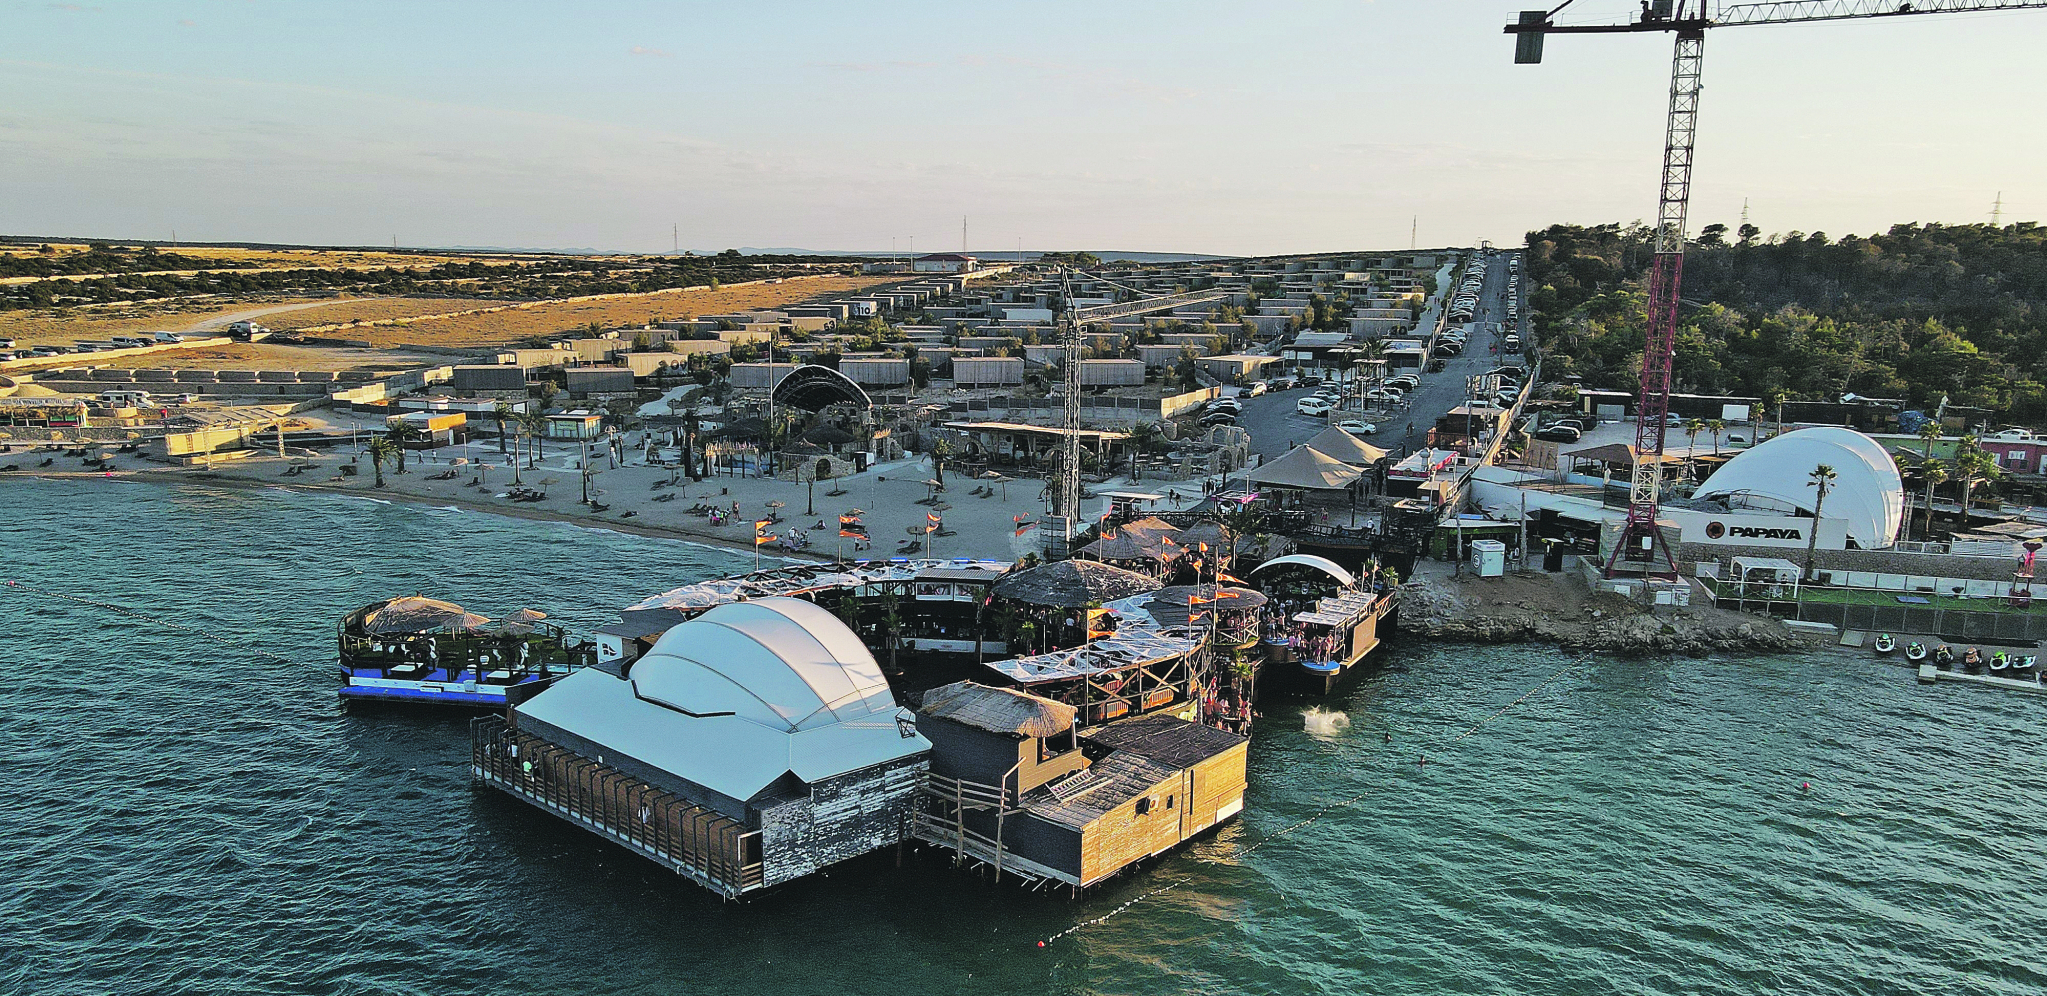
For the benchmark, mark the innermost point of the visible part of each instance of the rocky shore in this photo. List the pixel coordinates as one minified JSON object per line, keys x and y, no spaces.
{"x":1557,"y":608}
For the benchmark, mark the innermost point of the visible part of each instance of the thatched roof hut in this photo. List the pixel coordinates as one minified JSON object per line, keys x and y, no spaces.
{"x":1071,"y":584}
{"x":419,"y":614}
{"x":998,"y":710}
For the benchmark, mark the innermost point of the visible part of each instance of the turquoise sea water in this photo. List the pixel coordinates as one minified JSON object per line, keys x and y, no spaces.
{"x":184,"y":816}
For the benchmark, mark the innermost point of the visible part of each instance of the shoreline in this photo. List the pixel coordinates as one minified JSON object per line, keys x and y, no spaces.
{"x":177,"y":475}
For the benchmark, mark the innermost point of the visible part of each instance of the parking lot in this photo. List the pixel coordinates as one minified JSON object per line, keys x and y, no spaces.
{"x":1276,"y":426}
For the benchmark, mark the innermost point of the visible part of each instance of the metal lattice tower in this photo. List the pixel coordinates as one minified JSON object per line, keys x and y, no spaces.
{"x":1069,"y":472}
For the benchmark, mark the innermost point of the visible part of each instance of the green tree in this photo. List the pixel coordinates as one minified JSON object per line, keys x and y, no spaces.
{"x":535,"y":425}
{"x":1929,"y":434}
{"x":1716,"y":427}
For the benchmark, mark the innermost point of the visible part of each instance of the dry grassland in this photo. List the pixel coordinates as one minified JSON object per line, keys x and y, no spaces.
{"x":497,"y":328}
{"x":97,"y":323}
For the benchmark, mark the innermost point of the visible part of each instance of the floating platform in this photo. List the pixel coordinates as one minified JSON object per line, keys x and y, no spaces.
{"x":1929,"y":674}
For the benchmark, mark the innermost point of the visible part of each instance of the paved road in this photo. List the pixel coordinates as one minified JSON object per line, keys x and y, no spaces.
{"x":1275,"y":426}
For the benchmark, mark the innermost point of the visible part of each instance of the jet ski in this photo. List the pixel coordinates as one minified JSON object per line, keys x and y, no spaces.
{"x":1972,"y":658}
{"x":1885,"y":643}
{"x":1915,"y":651}
{"x":2000,"y":664}
{"x":1944,"y":655}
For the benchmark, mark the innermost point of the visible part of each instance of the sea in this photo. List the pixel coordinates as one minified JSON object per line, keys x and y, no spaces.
{"x":187,"y":809}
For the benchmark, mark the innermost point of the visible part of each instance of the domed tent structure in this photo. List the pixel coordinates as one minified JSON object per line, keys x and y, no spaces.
{"x":766,"y":728}
{"x":1776,"y":476}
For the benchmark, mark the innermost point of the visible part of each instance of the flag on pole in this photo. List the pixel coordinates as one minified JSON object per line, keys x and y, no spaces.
{"x":1220,"y":576}
{"x":760,"y":531}
{"x":850,"y":525}
{"x":932,"y":522}
{"x":1025,"y":525}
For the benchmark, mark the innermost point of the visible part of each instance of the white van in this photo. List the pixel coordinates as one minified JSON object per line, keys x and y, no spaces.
{"x":167,"y":337}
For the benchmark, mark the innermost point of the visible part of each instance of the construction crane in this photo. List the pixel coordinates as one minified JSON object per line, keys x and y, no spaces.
{"x":1642,"y":549}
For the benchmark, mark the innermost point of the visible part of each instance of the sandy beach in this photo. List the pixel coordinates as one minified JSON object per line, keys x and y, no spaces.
{"x":890,"y":499}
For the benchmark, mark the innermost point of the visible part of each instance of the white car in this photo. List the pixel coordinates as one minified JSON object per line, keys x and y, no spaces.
{"x":1357,"y":428}
{"x":1384,"y":395}
{"x":1316,"y":407}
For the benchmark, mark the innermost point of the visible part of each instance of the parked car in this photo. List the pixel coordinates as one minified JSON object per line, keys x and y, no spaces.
{"x":1231,"y":405}
{"x":48,"y":349}
{"x":7,"y":343}
{"x":1256,"y":388}
{"x":1218,"y":418}
{"x":1384,"y":396}
{"x":167,"y":336}
{"x":1358,"y":428}
{"x":1317,"y":407}
{"x":1283,"y":384}
{"x":1558,"y":434}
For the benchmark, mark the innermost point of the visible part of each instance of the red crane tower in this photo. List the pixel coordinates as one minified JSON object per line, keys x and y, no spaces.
{"x":1642,"y":548}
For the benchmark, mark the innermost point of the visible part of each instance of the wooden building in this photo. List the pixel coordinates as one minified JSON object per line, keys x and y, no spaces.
{"x":1014,"y":784}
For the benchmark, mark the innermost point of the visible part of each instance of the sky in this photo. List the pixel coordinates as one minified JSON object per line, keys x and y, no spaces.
{"x":1190,"y":126}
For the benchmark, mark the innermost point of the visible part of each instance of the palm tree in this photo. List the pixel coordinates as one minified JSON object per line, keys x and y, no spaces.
{"x":1692,"y":429}
{"x":399,"y":435}
{"x":1822,"y":478}
{"x":535,"y":425}
{"x":1716,"y":427}
{"x":1972,"y":466}
{"x":1929,"y":434}
{"x":381,"y":449}
{"x":499,"y":413}
{"x":1935,"y":472}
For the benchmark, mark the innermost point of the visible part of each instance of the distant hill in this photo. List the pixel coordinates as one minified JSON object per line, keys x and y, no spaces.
{"x":1918,"y":312}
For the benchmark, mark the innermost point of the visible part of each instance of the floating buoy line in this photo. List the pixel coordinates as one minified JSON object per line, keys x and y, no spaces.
{"x":153,"y":620}
{"x":1310,"y":819}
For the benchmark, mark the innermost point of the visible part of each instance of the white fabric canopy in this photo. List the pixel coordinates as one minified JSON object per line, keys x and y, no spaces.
{"x":1346,"y":447}
{"x":1867,"y":492}
{"x":1309,"y":468}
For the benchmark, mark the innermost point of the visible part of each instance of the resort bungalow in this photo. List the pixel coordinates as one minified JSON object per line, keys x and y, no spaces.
{"x":755,"y":744}
{"x":1014,"y":784}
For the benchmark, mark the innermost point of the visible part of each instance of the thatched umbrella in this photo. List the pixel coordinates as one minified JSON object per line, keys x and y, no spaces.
{"x":1070,"y":584}
{"x":1175,"y":606}
{"x":419,"y":614}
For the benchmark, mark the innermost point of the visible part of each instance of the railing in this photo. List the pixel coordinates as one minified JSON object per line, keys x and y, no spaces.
{"x":709,"y":847}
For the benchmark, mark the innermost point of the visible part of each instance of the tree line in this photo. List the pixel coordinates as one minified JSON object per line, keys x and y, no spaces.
{"x":1920,"y":312}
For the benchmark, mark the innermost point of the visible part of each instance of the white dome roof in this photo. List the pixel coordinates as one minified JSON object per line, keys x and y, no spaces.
{"x":782,"y":663}
{"x":1867,"y":492}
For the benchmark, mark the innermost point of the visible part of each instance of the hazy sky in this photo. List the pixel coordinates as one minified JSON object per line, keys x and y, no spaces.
{"x":1182,"y":126}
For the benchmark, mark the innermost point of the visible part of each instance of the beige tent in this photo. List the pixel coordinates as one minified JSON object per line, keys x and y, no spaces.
{"x":1307,"y":468}
{"x":1346,"y":447}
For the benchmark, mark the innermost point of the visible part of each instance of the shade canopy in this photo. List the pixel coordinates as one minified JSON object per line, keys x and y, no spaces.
{"x":1073,"y":583}
{"x":1346,"y":447}
{"x":1777,"y":474}
{"x":1307,"y":468}
{"x":419,"y":614}
{"x":1312,"y":562}
{"x":1176,"y":606}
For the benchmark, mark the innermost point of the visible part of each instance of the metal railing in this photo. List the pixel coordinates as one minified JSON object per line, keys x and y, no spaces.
{"x":706,"y":846}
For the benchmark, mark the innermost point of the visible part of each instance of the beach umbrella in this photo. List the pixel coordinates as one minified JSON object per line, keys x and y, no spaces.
{"x":417,"y":614}
{"x":856,"y":511}
{"x":777,"y":503}
{"x":990,"y":475}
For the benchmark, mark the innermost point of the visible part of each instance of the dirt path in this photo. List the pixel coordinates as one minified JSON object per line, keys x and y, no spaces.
{"x":217,"y":322}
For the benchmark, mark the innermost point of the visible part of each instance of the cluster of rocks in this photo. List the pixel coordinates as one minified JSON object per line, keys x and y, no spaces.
{"x":1550,"y":608}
